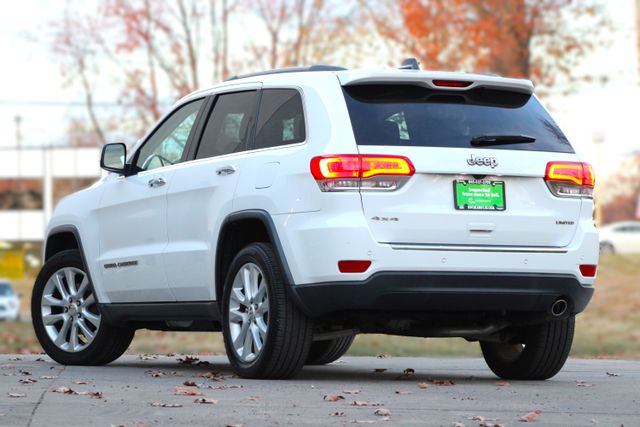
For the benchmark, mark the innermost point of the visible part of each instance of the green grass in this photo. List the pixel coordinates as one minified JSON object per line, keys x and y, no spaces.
{"x":609,"y":328}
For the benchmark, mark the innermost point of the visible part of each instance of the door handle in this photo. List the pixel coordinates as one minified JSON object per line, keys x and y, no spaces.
{"x":157,"y":182}
{"x":225,"y":170}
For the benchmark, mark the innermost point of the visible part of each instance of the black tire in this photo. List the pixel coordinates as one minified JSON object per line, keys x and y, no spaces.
{"x":324,"y":352}
{"x":546,"y":348}
{"x":289,"y":331}
{"x":109,"y":343}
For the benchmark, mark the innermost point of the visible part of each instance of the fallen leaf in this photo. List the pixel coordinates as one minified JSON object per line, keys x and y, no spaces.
{"x":166,"y":405}
{"x":476,"y":418}
{"x":27,"y":381}
{"x":155,"y":374}
{"x":424,"y":385}
{"x":352,"y":391}
{"x":224,"y":386}
{"x":370,"y":421}
{"x":93,"y":394}
{"x":531,"y":416}
{"x":333,"y":397}
{"x":211,"y":375}
{"x":206,"y":401}
{"x":147,"y":356}
{"x":188,"y":360}
{"x":189,"y":383}
{"x":63,"y":390}
{"x":403,"y":392}
{"x":382,"y":412}
{"x":581,"y":383}
{"x":253,"y":398}
{"x":14,"y":359}
{"x":613,"y":374}
{"x":48,"y":377}
{"x":23,"y":372}
{"x":364,"y":403}
{"x":187,"y":391}
{"x":337,"y":414}
{"x":16,"y":395}
{"x":379,"y":370}
{"x":443,"y":382}
{"x":40,"y":359}
{"x":502,"y":383}
{"x":457,"y":425}
{"x":80,"y":382}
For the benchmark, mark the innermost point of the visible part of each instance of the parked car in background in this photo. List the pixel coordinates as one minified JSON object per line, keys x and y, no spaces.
{"x":620,"y":237}
{"x":9,"y":302}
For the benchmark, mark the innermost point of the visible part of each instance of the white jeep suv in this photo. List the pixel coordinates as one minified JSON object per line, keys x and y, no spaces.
{"x":296,"y":208}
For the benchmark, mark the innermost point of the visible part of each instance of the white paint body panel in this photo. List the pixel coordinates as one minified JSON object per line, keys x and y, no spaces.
{"x":172,"y":231}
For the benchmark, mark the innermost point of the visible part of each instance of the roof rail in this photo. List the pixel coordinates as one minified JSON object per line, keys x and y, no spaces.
{"x":289,"y":70}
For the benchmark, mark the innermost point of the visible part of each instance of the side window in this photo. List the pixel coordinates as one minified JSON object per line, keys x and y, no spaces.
{"x":227,"y":129}
{"x":167,"y":144}
{"x":281,"y":118}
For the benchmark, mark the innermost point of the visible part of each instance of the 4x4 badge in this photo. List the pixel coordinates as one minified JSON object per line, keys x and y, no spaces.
{"x":482,"y":161}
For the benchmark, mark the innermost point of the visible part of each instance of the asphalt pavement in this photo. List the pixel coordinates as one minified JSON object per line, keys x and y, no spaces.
{"x":151,"y":390}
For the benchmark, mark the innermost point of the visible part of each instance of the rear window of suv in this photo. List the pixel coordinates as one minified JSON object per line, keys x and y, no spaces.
{"x":411,"y":115}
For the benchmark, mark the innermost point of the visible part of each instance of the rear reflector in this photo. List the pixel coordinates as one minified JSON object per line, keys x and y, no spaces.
{"x":451,"y":83}
{"x":353,"y":266}
{"x":342,"y":172}
{"x":570,"y":179}
{"x":588,"y":270}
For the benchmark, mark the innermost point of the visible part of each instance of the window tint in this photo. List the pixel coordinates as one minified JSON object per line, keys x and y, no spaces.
{"x":228,"y":125}
{"x":409,"y":115}
{"x":167,"y":144}
{"x":281,"y":119}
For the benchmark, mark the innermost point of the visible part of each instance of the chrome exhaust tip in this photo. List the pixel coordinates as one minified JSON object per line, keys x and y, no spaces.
{"x":559,"y":307}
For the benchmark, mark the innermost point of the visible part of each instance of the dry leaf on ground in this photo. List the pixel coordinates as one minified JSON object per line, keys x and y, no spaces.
{"x":364,"y":403}
{"x":613,"y":374}
{"x":337,"y":414}
{"x":351,"y":391}
{"x":333,"y":397}
{"x":382,"y":412}
{"x":424,"y":385}
{"x":188,"y":360}
{"x":16,"y":395}
{"x":166,"y":405}
{"x":503,"y":383}
{"x":403,"y":392}
{"x":206,"y":401}
{"x":187,"y":391}
{"x":531,"y":416}
{"x":27,"y":381}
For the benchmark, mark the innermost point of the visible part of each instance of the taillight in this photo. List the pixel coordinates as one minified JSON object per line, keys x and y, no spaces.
{"x":588,"y":270}
{"x":451,"y":83}
{"x":570,"y":179}
{"x":343,"y":172}
{"x":353,"y":266}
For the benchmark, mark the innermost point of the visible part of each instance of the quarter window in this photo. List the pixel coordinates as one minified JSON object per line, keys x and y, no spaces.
{"x":228,"y":126}
{"x":281,"y":118}
{"x":167,"y":144}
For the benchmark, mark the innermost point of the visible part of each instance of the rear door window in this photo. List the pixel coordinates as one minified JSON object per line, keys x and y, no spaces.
{"x":229,"y":125}
{"x":410,"y":115}
{"x":281,"y":118}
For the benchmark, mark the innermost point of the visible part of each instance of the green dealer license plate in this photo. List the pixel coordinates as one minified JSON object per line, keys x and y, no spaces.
{"x":478,"y":195}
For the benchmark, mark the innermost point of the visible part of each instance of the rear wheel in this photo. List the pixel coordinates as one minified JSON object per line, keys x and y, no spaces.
{"x":265,"y":334}
{"x":323,"y":352}
{"x":539,"y":354}
{"x":66,"y":318}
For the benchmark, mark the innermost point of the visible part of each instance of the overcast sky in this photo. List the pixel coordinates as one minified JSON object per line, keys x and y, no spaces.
{"x":31,"y":86}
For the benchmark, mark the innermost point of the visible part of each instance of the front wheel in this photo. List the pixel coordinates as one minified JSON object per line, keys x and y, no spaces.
{"x":539,"y":354}
{"x":66,"y":318}
{"x":265,"y":335}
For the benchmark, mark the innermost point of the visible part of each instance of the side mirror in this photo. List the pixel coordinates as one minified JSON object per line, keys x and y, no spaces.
{"x":113,"y":157}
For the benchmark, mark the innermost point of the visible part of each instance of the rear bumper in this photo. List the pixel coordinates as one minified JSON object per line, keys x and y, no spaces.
{"x":441,"y":291}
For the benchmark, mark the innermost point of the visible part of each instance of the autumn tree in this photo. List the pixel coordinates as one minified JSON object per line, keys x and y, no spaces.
{"x":300,"y":31}
{"x":542,"y":40}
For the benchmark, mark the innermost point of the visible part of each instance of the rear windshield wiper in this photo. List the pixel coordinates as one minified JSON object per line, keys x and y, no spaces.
{"x":501,"y":139}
